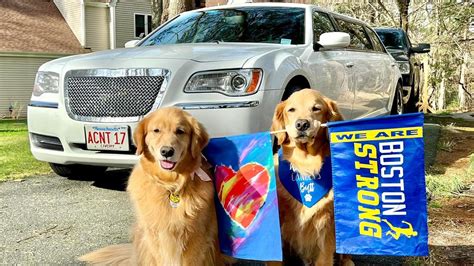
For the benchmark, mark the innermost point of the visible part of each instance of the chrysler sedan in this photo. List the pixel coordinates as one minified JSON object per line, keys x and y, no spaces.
{"x":228,"y":66}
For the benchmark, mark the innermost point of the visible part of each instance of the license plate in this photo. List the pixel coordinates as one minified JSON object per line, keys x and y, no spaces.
{"x":110,"y":138}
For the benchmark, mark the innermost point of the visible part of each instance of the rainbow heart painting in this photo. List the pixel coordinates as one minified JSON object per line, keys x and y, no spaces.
{"x":246,"y":198}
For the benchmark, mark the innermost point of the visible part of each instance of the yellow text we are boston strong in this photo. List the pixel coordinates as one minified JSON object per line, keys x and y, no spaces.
{"x":379,"y":166}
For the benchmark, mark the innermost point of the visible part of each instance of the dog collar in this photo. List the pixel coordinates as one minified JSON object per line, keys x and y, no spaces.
{"x":202,"y":175}
{"x":308,"y":190}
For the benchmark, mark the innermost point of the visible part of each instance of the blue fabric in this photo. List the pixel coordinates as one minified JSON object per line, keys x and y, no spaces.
{"x":308,"y":190}
{"x":246,"y":198}
{"x":379,"y":186}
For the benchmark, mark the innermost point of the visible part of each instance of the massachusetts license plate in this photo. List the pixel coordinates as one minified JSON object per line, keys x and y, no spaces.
{"x":110,"y":138}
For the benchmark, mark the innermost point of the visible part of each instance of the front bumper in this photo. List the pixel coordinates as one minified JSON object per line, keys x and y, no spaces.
{"x":220,"y":119}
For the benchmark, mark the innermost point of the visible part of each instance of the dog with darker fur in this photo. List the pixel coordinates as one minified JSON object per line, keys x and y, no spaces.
{"x":171,"y":195}
{"x":307,"y":230}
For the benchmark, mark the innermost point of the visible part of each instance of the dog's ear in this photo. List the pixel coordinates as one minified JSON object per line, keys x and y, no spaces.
{"x":279,"y":123}
{"x":140,"y":134}
{"x":199,"y":138}
{"x":333,"y":112}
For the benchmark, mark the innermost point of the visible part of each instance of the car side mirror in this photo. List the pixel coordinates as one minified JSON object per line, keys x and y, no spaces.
{"x":332,"y":40}
{"x":421,"y":48}
{"x":131,"y":43}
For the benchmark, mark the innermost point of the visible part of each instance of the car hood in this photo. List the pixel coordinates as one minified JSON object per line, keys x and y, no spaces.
{"x":399,"y":54}
{"x":205,"y":52}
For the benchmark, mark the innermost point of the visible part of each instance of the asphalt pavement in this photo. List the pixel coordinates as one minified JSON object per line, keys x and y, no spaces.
{"x":53,"y":220}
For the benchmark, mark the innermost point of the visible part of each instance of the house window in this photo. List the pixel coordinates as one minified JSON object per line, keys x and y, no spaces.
{"x":142,"y":25}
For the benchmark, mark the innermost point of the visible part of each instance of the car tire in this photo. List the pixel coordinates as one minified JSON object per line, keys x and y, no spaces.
{"x":397,"y":105}
{"x":77,"y":171}
{"x":412,"y":101}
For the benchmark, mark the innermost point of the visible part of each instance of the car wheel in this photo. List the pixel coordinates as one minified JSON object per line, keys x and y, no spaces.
{"x":397,"y":106}
{"x":77,"y":171}
{"x":412,"y":101}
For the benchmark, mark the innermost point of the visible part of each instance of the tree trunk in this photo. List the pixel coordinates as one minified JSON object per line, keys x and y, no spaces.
{"x":164,"y":15}
{"x":178,"y":6}
{"x":403,"y":9}
{"x":424,"y":95}
{"x":442,"y":92}
{"x":462,"y":80}
{"x":156,"y":13}
{"x":462,"y":83}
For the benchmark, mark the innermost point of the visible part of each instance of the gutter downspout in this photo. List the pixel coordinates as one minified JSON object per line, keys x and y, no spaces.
{"x":83,"y":23}
{"x":112,"y":27}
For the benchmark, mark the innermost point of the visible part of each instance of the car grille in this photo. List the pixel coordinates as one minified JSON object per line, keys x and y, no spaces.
{"x":108,"y":95}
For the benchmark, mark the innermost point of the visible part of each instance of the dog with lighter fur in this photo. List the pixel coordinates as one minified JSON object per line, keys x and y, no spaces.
{"x":174,"y":209}
{"x":309,"y":231}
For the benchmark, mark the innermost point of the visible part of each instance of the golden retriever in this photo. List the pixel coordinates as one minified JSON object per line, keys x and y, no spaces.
{"x":309,"y":231}
{"x":174,"y":209}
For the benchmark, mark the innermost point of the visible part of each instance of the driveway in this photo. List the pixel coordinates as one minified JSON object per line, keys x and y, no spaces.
{"x":53,"y":220}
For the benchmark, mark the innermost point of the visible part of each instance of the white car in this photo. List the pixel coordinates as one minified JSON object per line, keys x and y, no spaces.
{"x":228,"y":66}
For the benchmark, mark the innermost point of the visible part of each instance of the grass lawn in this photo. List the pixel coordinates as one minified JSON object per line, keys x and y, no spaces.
{"x":16,"y":160}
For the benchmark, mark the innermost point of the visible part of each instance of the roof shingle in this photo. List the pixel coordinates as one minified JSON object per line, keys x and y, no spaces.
{"x":35,"y":26}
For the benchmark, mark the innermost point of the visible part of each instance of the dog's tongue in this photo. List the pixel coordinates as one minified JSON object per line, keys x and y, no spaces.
{"x":167,"y":164}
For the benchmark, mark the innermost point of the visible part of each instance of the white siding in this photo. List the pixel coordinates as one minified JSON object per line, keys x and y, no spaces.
{"x":17,"y":75}
{"x":72,"y":12}
{"x":125,"y":19}
{"x":97,"y":28}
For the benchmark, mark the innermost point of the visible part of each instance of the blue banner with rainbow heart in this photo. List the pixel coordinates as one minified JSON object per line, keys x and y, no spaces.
{"x":246,"y":196}
{"x":379,"y":186}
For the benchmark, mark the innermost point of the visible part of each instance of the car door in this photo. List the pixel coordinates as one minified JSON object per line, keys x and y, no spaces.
{"x":370,"y":75}
{"x":327,"y":69}
{"x":387,"y":66}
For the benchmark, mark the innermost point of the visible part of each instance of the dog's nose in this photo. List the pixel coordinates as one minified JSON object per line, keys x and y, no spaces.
{"x":166,"y":151}
{"x":302,"y":124}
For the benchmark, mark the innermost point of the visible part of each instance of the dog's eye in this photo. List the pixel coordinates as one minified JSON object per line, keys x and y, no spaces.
{"x":316,"y":109}
{"x":156,"y":130}
{"x":179,"y":131}
{"x":291,"y":110}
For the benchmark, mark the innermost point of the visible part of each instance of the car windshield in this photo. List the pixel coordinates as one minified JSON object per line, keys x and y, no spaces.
{"x":248,"y":24}
{"x":392,"y":39}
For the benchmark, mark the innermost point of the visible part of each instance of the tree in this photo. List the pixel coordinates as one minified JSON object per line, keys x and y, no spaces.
{"x":162,"y":10}
{"x":403,"y":11}
{"x":178,"y":6}
{"x":156,"y":12}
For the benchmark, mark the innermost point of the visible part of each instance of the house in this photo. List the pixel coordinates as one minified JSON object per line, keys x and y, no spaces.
{"x":33,"y":32}
{"x":106,"y":24}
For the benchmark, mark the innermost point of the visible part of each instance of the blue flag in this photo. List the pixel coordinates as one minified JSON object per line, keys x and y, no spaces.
{"x":246,"y":200}
{"x":379,"y":186}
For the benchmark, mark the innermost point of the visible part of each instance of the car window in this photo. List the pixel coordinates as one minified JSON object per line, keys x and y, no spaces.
{"x":359,"y":38}
{"x":246,"y":24}
{"x":378,"y":46}
{"x":321,"y":24}
{"x":392,"y":39}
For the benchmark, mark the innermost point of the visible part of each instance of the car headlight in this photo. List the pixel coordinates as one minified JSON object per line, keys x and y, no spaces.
{"x":404,"y":67}
{"x":234,"y":82}
{"x":46,"y":82}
